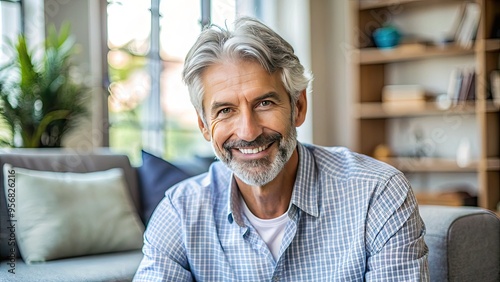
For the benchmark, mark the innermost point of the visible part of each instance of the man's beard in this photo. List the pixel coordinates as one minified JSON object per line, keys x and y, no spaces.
{"x":261,"y":171}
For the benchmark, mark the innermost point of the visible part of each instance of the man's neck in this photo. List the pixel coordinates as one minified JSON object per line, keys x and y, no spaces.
{"x":271,"y":200}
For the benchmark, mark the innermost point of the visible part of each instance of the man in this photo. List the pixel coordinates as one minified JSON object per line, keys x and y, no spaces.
{"x":273,"y":208}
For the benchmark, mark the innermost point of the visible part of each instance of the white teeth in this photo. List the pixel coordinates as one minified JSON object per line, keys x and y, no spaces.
{"x":253,"y":151}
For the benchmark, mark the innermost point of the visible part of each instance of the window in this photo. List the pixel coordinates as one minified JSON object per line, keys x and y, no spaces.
{"x":10,"y":27}
{"x":149,"y":106}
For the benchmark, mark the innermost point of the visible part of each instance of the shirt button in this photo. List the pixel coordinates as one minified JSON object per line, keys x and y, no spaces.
{"x":276,"y":278}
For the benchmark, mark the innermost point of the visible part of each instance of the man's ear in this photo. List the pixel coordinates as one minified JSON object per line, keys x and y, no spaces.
{"x":203,"y":129}
{"x":301,"y":108}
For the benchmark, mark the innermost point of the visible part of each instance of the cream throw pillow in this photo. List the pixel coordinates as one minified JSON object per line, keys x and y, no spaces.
{"x":65,"y":214}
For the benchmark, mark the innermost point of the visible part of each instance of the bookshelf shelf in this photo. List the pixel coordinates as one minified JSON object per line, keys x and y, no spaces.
{"x":380,"y":124}
{"x":410,"y":52}
{"x":429,"y":165}
{"x":383,"y":110}
{"x":447,"y":199}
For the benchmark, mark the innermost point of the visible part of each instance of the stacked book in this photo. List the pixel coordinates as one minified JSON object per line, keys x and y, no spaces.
{"x":404,"y":96}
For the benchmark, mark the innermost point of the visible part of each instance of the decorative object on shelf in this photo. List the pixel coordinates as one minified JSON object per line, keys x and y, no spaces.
{"x":421,"y":148}
{"x":463,"y":153}
{"x":386,"y":37}
{"x":443,"y":102}
{"x":381,"y":152}
{"x":41,"y":98}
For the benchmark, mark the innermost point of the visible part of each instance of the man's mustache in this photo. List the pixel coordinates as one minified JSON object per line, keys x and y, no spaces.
{"x":261,"y":140}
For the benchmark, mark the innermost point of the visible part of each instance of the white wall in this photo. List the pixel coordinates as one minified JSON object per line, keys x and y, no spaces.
{"x":84,"y":17}
{"x":291,"y":19}
{"x":331,"y":101}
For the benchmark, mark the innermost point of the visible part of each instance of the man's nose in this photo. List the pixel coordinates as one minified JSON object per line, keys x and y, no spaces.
{"x":248,"y":126}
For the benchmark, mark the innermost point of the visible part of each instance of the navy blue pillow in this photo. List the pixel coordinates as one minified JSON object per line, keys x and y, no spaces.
{"x":156,"y":175}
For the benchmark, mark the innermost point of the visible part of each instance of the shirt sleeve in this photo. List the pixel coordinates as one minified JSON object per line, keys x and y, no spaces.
{"x":396,"y":250}
{"x":164,"y":253}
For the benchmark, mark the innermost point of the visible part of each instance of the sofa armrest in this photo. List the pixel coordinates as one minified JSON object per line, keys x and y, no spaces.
{"x":464,"y":243}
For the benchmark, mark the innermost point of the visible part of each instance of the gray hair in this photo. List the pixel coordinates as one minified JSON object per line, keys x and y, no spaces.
{"x":250,"y":40}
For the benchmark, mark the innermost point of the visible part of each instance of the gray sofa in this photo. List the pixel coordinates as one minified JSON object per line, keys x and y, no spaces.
{"x":464,"y":242}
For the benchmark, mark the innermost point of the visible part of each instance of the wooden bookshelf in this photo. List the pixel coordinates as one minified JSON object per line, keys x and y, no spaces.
{"x":373,"y":68}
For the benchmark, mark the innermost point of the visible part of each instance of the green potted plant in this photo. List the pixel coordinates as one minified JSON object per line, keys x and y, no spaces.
{"x":40,"y":100}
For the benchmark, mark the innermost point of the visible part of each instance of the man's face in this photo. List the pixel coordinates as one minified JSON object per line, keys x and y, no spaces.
{"x":250,"y":122}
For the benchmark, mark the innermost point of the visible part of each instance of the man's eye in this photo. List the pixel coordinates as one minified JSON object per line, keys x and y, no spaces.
{"x":224,"y":111}
{"x":265,"y":103}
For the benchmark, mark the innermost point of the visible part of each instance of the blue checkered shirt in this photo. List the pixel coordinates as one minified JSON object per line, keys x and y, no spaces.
{"x":352,"y":218}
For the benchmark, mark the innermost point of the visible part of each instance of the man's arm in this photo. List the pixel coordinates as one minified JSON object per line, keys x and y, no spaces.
{"x":164,"y":253}
{"x":395,"y":235}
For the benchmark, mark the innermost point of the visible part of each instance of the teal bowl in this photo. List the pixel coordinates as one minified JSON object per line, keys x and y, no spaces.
{"x":386,"y":37}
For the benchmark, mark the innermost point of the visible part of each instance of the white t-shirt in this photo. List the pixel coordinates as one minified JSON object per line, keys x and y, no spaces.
{"x":270,"y":230}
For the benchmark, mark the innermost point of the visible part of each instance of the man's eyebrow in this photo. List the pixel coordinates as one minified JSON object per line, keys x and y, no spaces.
{"x":269,"y":95}
{"x":217,"y":105}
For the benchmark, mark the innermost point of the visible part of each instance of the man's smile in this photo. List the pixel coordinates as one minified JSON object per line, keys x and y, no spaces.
{"x":247,"y":151}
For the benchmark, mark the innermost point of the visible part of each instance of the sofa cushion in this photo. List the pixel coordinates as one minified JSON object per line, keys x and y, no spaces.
{"x":64,"y":160}
{"x":156,"y":175}
{"x":65,"y":214}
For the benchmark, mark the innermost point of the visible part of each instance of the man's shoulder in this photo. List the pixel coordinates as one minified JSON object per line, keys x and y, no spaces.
{"x":342,"y":162}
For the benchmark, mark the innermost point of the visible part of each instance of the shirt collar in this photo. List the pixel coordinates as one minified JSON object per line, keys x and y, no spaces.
{"x":305,"y":190}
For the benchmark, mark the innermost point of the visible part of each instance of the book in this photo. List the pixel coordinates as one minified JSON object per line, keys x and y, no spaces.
{"x":454,"y":84}
{"x":462,"y":85}
{"x":471,"y":94}
{"x":467,"y":88}
{"x":467,"y":29}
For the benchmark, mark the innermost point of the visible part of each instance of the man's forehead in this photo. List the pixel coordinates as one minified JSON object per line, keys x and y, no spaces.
{"x":238,"y":76}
